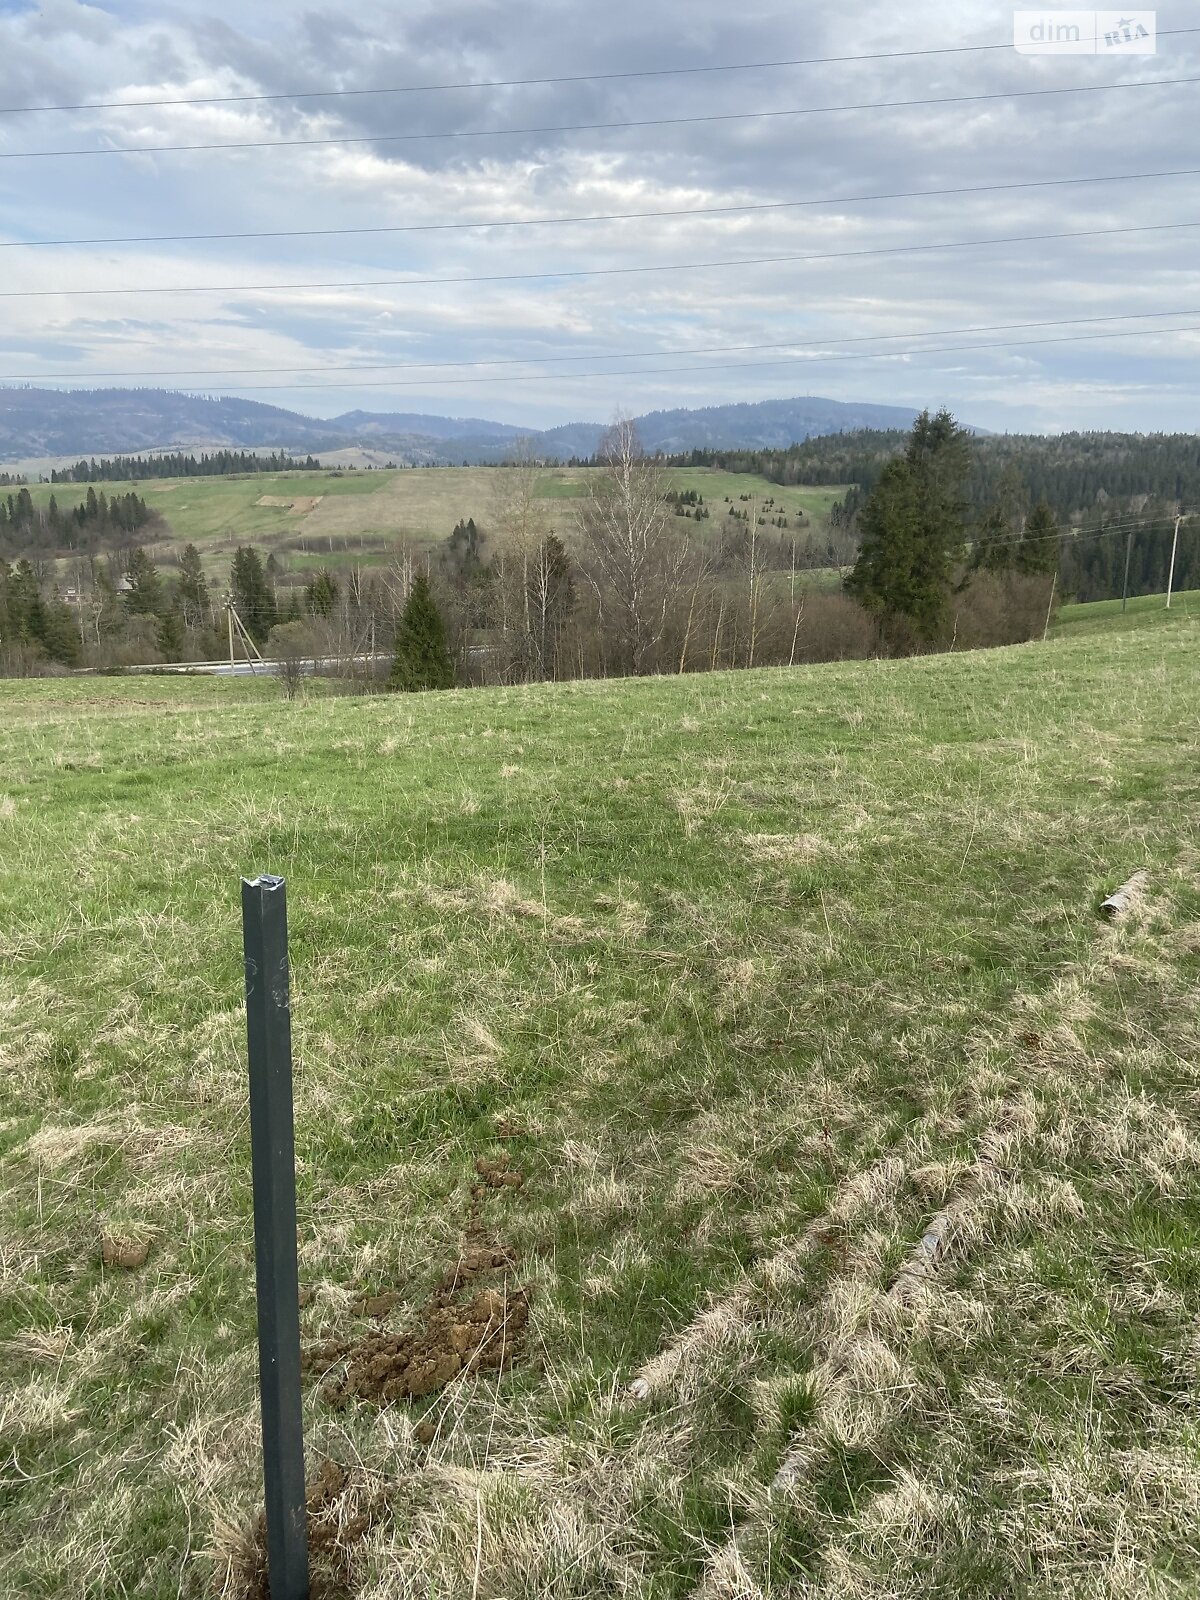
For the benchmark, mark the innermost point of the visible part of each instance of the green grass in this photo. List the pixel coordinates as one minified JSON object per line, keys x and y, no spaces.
{"x":754,"y":975}
{"x":1142,"y":611}
{"x":363,"y":517}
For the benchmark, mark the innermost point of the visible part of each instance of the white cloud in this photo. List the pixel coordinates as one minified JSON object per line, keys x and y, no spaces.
{"x":73,"y":52}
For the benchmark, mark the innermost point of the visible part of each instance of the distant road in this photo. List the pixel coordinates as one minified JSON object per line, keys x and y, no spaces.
{"x":243,"y":669}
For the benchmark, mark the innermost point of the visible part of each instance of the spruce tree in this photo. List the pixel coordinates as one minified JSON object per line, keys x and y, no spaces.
{"x":322,"y":593}
{"x":171,"y":635}
{"x":60,"y":634}
{"x":1038,"y":549}
{"x":193,"y":591}
{"x":144,"y":597}
{"x":26,"y":610}
{"x":913,"y":530}
{"x":422,"y":659}
{"x":252,"y":594}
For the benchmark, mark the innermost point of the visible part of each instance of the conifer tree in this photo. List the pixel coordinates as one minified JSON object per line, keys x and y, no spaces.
{"x":170,"y":634}
{"x":1038,"y":549}
{"x":322,"y":593}
{"x":913,"y":528}
{"x":60,"y":634}
{"x":422,"y":659}
{"x":145,"y":594}
{"x":193,"y":590}
{"x":252,"y":593}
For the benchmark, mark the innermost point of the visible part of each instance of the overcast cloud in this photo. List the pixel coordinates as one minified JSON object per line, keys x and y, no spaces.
{"x":68,"y":52}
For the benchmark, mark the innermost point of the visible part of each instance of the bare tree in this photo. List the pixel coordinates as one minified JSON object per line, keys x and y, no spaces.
{"x":550,"y":599}
{"x":636,"y":559}
{"x":519,"y":529}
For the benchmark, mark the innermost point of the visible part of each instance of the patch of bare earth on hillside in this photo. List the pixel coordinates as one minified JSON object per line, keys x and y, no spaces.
{"x":454,"y":1336}
{"x":467,"y":1326}
{"x":299,"y":505}
{"x":342,"y":1510}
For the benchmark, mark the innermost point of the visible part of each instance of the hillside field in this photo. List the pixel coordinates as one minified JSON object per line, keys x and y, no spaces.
{"x":312,"y":519}
{"x":754,"y":1037}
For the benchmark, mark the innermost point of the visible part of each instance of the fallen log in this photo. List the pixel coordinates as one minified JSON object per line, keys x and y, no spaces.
{"x":1123,"y":899}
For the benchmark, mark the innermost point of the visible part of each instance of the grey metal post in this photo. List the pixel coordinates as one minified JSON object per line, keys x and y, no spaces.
{"x":268,"y":1027}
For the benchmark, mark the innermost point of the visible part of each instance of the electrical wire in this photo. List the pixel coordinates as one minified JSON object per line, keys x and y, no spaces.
{"x":724,"y":367}
{"x":601,"y":272}
{"x":616,"y":355}
{"x":605,"y":216}
{"x":595,"y":127}
{"x":527,"y":83}
{"x":1075,"y":535}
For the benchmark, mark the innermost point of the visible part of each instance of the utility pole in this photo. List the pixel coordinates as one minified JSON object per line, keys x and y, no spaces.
{"x":1171,"y":572}
{"x":1125,"y":585}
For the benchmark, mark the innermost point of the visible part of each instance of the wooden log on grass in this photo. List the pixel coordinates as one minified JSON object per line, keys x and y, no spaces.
{"x":1123,"y":899}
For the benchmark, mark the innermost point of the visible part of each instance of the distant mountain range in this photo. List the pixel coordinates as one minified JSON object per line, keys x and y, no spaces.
{"x":37,"y":424}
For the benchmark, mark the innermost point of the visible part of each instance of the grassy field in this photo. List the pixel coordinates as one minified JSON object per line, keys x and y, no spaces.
{"x":1143,"y":611}
{"x":310,"y":519}
{"x":856,"y":1244}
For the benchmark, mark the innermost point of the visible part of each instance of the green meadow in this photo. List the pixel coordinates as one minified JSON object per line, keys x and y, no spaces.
{"x":311,"y":519}
{"x":835,"y":1165}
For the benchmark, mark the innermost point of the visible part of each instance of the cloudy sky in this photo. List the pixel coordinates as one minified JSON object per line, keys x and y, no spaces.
{"x":862,"y":326}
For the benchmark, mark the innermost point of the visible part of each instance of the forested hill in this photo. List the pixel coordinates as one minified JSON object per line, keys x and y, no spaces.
{"x":1077,"y":474}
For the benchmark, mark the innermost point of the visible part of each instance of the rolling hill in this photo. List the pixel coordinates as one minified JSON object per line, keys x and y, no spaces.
{"x":49,"y":424}
{"x":747,"y":1047}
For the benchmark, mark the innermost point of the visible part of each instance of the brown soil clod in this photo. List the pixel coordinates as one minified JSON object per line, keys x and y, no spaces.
{"x":452,"y":1337}
{"x":510,"y":1128}
{"x":499,"y":1173}
{"x":425,"y":1432}
{"x":484,"y":1335}
{"x":116,"y":1251}
{"x":377,"y":1305}
{"x":338,"y":1517}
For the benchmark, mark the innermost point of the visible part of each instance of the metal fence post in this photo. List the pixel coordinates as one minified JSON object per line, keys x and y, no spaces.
{"x":268,"y":1028}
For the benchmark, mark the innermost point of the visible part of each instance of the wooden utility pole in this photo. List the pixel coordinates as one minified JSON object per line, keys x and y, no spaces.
{"x":1125,"y":584}
{"x":1171,"y":571}
{"x":1050,"y":607}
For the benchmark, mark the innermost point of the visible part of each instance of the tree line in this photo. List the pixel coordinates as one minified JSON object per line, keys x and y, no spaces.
{"x":96,"y":521}
{"x":1071,"y":472}
{"x":177,"y":464}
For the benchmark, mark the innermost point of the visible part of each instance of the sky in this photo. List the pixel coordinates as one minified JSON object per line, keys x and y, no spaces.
{"x":879,"y":326}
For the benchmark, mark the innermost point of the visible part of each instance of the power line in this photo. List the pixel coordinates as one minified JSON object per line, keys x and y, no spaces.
{"x":609,"y":216}
{"x":725,"y":367}
{"x":1121,"y":525}
{"x":599,"y":272}
{"x":526,"y":83}
{"x":596,"y":127}
{"x":616,"y":355}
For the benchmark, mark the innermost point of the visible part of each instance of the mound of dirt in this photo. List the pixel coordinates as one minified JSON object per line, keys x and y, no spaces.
{"x":338,"y":1518}
{"x":499,"y":1172}
{"x":129,"y":1254}
{"x":452,"y":1336}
